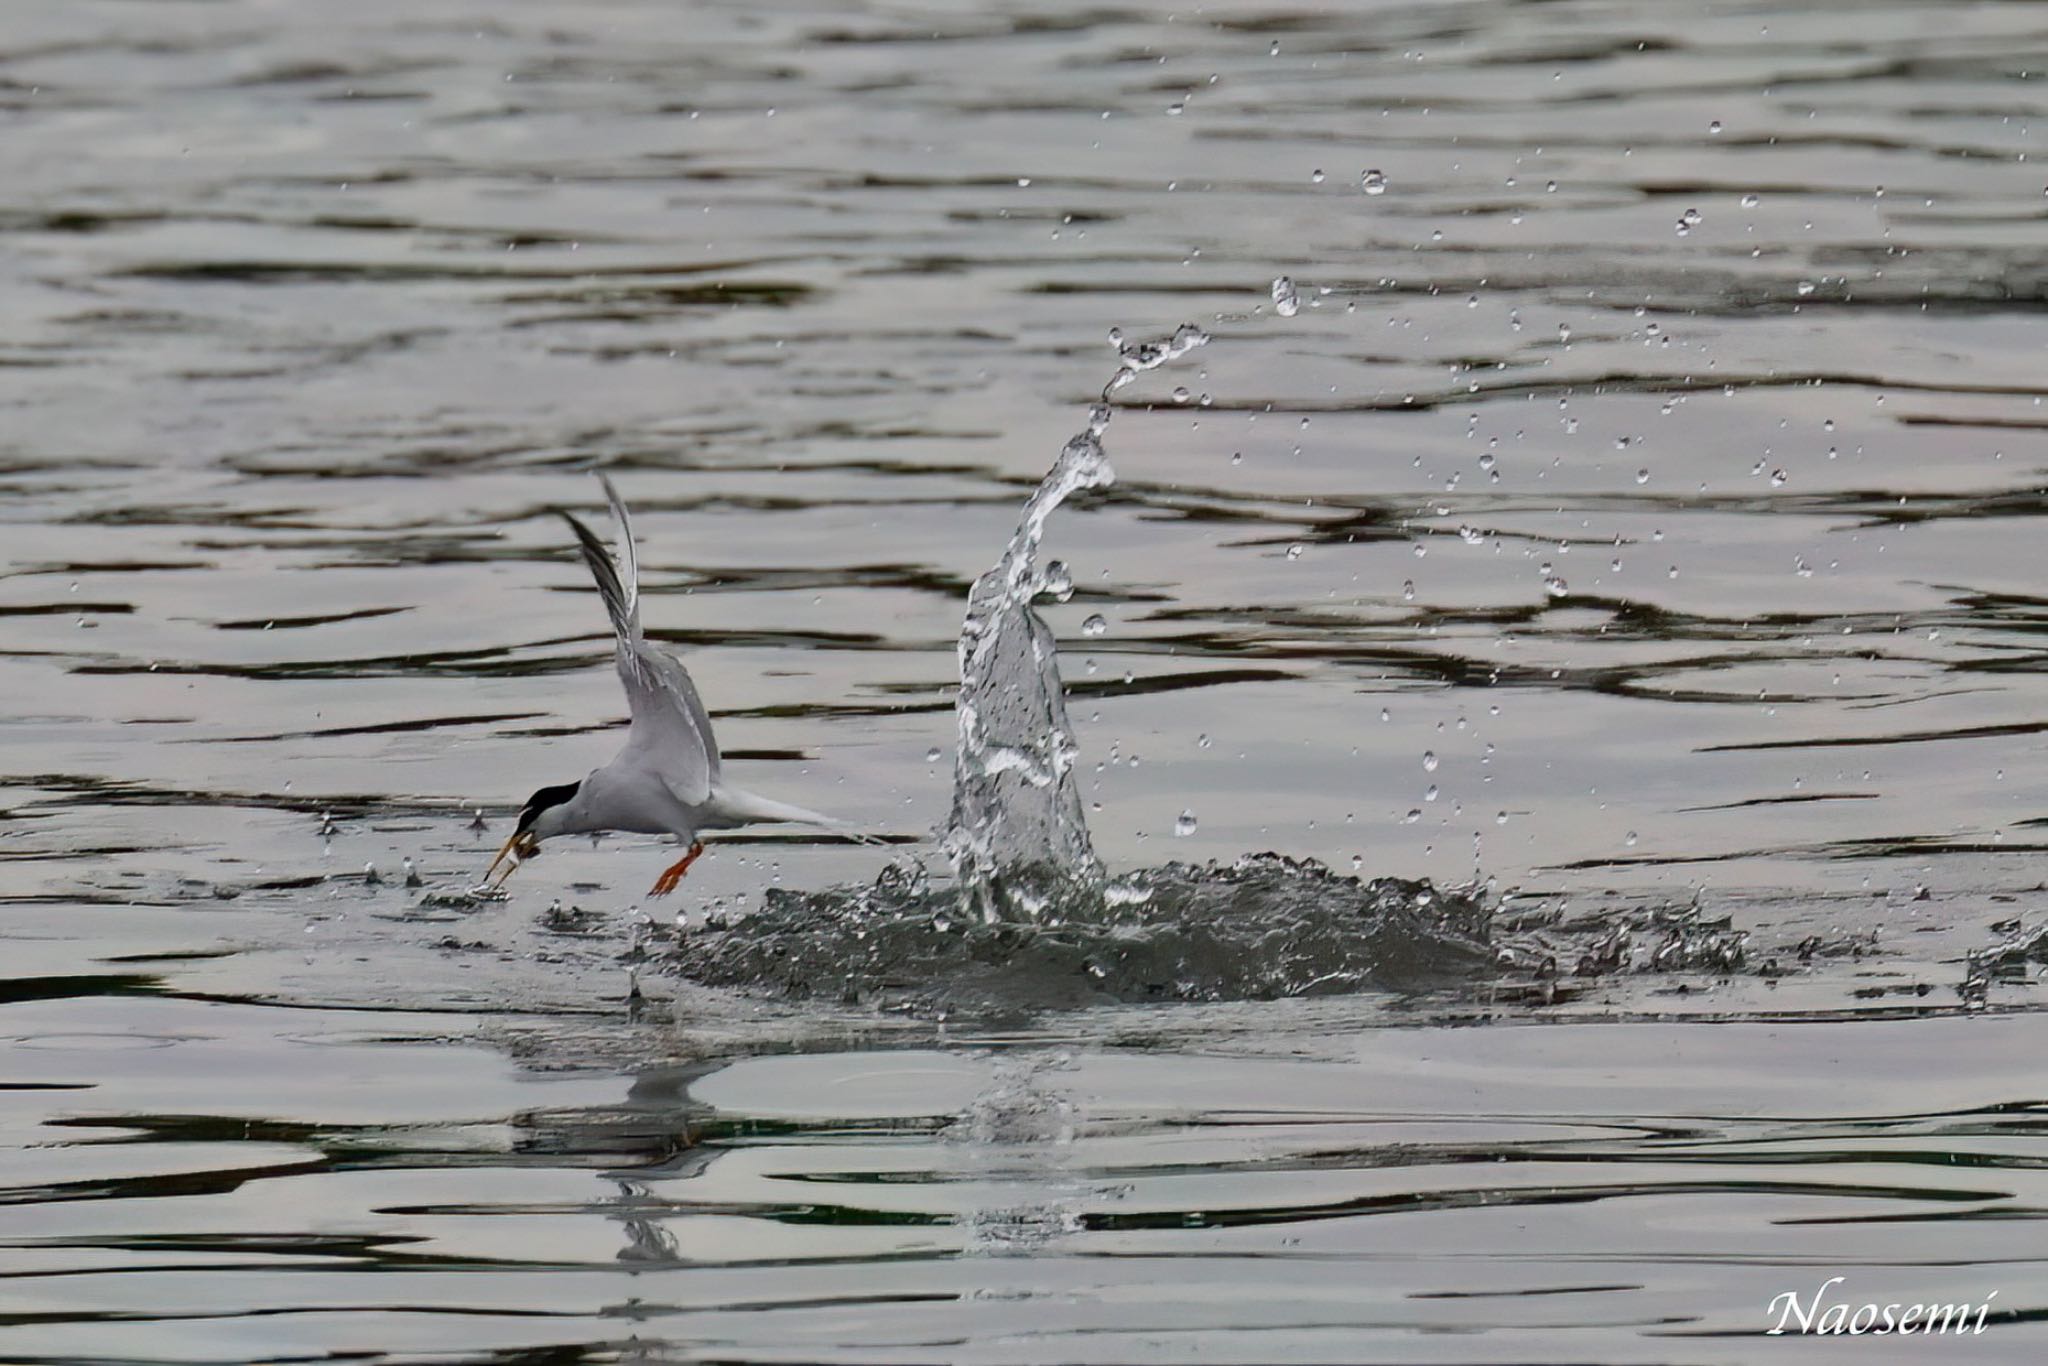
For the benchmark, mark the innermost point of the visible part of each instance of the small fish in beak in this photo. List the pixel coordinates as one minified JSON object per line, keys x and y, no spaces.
{"x":525,"y":841}
{"x":521,"y":847}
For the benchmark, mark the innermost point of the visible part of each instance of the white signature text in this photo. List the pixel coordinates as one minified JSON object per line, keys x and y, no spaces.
{"x":1794,"y":1315}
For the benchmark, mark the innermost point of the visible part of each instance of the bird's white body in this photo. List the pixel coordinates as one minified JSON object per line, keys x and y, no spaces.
{"x":667,"y":779}
{"x":628,"y":796}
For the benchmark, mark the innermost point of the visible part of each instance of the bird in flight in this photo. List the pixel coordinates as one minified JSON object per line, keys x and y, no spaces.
{"x":667,"y":778}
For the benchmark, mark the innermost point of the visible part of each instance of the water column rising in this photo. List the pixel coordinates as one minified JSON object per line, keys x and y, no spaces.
{"x":1018,"y":834}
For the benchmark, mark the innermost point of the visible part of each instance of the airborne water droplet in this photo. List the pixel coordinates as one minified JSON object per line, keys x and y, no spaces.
{"x":1095,"y":625}
{"x":1057,"y":582}
{"x":1373,"y":182}
{"x":1185,"y":826}
{"x":1285,"y":301}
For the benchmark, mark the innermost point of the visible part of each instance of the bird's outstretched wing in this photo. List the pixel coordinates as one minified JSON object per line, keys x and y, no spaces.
{"x":671,"y":732}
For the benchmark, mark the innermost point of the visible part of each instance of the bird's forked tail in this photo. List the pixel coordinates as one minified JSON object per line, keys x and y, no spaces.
{"x":744,"y":808}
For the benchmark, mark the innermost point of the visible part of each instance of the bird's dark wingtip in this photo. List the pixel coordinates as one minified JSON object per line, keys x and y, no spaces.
{"x":585,"y":537}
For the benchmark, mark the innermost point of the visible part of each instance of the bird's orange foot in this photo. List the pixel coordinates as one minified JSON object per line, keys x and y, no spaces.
{"x":673,"y":874}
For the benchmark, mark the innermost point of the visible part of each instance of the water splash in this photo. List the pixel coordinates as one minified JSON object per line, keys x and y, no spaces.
{"x":1017,"y":836}
{"x":1138,"y":357}
{"x":1262,"y":928}
{"x":1030,"y":921}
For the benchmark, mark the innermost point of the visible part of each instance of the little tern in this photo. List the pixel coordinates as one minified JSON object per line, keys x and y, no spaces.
{"x":667,"y":779}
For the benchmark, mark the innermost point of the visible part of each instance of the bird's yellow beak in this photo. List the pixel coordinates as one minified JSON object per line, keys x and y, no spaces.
{"x":520,"y":847}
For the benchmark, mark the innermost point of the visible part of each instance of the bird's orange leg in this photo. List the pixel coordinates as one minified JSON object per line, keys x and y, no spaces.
{"x":673,"y":874}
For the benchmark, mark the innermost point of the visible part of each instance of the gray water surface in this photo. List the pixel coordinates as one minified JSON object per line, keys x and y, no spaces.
{"x":1629,"y":578}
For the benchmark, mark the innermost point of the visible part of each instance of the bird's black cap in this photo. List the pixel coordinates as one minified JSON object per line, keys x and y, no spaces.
{"x":543,"y":799}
